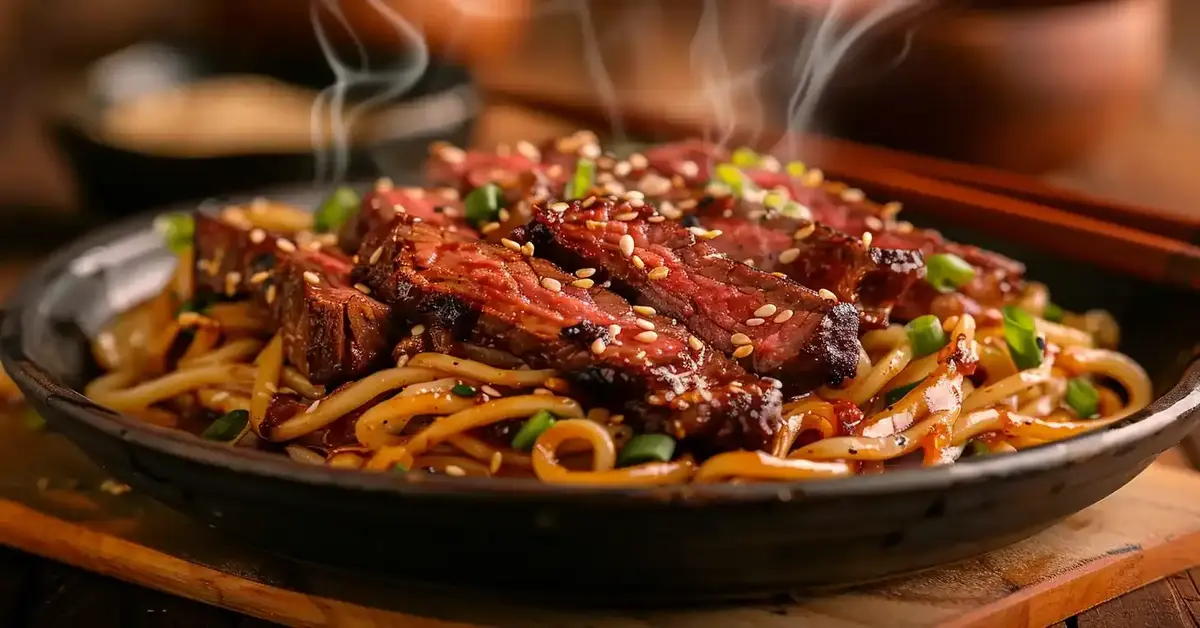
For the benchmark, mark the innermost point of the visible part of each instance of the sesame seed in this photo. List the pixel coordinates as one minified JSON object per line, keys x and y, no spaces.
{"x":622,"y":169}
{"x":695,"y":343}
{"x":636,"y":203}
{"x":488,"y":390}
{"x":497,"y":460}
{"x":583,"y":283}
{"x":739,"y":339}
{"x":890,"y":210}
{"x":402,"y":360}
{"x":584,"y":273}
{"x":827,"y":295}
{"x":670,"y":212}
{"x":754,"y":322}
{"x":698,"y":231}
{"x":904,"y":227}
{"x":743,"y":351}
{"x":313,"y":408}
{"x":687,"y":203}
{"x":451,"y":154}
{"x":257,"y":236}
{"x":529,"y":151}
{"x":646,"y":337}
{"x":656,"y":218}
{"x":543,"y":391}
{"x":638,"y":160}
{"x":874,"y":224}
{"x":641,"y":355}
{"x":503,"y":215}
{"x":769,"y":163}
{"x":362,"y":288}
{"x":784,"y":316}
{"x":660,"y":272}
{"x":527,"y":249}
{"x":626,"y":245}
{"x":589,"y":201}
{"x":626,"y":216}
{"x":866,"y":239}
{"x":232,"y":280}
{"x":312,"y":277}
{"x":490,"y":227}
{"x":749,"y":261}
{"x":596,"y":224}
{"x":260,"y":277}
{"x":285,"y":245}
{"x":376,"y":255}
{"x":559,"y":206}
{"x":637,"y":262}
{"x":616,"y":419}
{"x":614,"y":330}
{"x":804,"y":232}
{"x":644,"y":310}
{"x":455,"y":470}
{"x":766,"y":310}
{"x":779,"y":274}
{"x":689,"y":169}
{"x":551,"y":284}
{"x":271,"y":294}
{"x":598,"y":346}
{"x":510,"y":244}
{"x":712,"y":234}
{"x":655,"y":400}
{"x":789,"y":256}
{"x":645,"y":324}
{"x":591,"y":151}
{"x":417,"y":330}
{"x":853,"y":195}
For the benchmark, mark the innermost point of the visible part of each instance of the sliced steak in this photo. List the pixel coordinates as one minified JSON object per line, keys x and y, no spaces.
{"x":776,"y":326}
{"x":440,"y":206}
{"x":331,"y":331}
{"x":494,"y":297}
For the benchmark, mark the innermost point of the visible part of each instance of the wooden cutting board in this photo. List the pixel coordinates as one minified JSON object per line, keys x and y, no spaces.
{"x":55,"y":503}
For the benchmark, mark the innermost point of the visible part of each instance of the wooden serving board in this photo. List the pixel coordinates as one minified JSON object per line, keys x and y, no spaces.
{"x":55,"y":503}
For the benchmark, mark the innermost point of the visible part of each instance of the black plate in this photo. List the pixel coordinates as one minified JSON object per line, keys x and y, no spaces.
{"x":686,"y":542}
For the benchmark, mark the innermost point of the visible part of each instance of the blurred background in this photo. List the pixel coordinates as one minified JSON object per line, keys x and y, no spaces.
{"x":112,"y":107}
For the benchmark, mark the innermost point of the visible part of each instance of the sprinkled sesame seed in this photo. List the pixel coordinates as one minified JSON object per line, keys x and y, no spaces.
{"x":646,"y":337}
{"x":645,"y":324}
{"x":904,"y":227}
{"x":616,"y":419}
{"x":559,"y":206}
{"x":488,"y":390}
{"x":312,"y":277}
{"x":853,"y":195}
{"x":656,"y":218}
{"x":636,"y":203}
{"x":804,"y":232}
{"x":766,"y":310}
{"x":598,"y":346}
{"x":529,"y":151}
{"x":527,"y":249}
{"x":285,"y":245}
{"x":509,"y":244}
{"x":455,"y":470}
{"x":583,"y":283}
{"x":890,"y":210}
{"x":739,"y":339}
{"x":657,"y":273}
{"x":698,"y":231}
{"x":866,"y":239}
{"x":376,"y":255}
{"x":637,"y":262}
{"x":503,"y":215}
{"x":589,"y":201}
{"x":638,"y":160}
{"x":743,"y":351}
{"x":712,"y":234}
{"x":622,"y":169}
{"x":596,"y":224}
{"x":402,"y":360}
{"x":551,"y":284}
{"x":789,"y":256}
{"x":754,"y":322}
{"x":271,"y":294}
{"x":687,"y":203}
{"x":784,"y":316}
{"x":874,"y":224}
{"x":655,"y":400}
{"x":614,"y":330}
{"x":689,"y":169}
{"x":490,"y":227}
{"x":749,"y":261}
{"x":626,"y":245}
{"x":260,"y":277}
{"x":417,"y":330}
{"x":257,"y":236}
{"x":626,"y":216}
{"x":496,"y":461}
{"x":451,"y":154}
{"x":584,"y":273}
{"x":362,"y":288}
{"x":670,"y":212}
{"x":695,"y":343}
{"x":827,"y":295}
{"x":644,"y":310}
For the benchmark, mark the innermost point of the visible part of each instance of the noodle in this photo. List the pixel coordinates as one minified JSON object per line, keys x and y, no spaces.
{"x":266,"y":381}
{"x":480,"y":371}
{"x":347,"y":400}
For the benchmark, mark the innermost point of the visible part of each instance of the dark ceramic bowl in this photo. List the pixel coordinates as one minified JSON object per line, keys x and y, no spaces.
{"x":689,"y":542}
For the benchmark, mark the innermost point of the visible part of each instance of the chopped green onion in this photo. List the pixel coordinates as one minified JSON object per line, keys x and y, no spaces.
{"x":792,"y":209}
{"x":533,"y":427}
{"x":1053,"y":313}
{"x":463,"y":390}
{"x":745,"y":158}
{"x":898,"y":393}
{"x":947,"y":271}
{"x":177,"y":230}
{"x":926,"y":335}
{"x":227,"y":427}
{"x":399,"y":469}
{"x":646,"y":448}
{"x":193,"y":305}
{"x":336,"y":210}
{"x":1083,"y":398}
{"x":774,"y":200}
{"x":583,"y":181}
{"x":1020,"y":332}
{"x":731,"y":176}
{"x":979,"y":448}
{"x":483,"y":204}
{"x":33,"y":421}
{"x":796,"y":168}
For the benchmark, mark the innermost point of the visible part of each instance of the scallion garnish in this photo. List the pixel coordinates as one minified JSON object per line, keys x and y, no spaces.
{"x":926,"y":335}
{"x":745,"y":158}
{"x":193,"y":305}
{"x":177,"y":230}
{"x":336,"y":210}
{"x":532,"y":429}
{"x":399,"y":469}
{"x":483,"y":204}
{"x":227,"y":427}
{"x":796,"y":168}
{"x":898,"y":393}
{"x":979,"y":448}
{"x":646,"y":448}
{"x":1020,"y":332}
{"x":583,"y":181}
{"x":947,"y":271}
{"x":731,"y":176}
{"x":1053,"y":313}
{"x":463,"y":390}
{"x":1083,"y":398}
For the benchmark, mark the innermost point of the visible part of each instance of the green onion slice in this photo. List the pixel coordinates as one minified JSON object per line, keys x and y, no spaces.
{"x":338,"y":208}
{"x":926,"y":335}
{"x":463,"y":390}
{"x":979,"y":448}
{"x":646,"y":448}
{"x":796,"y":168}
{"x":745,"y":158}
{"x":731,"y":176}
{"x":227,"y":427}
{"x":583,"y":181}
{"x":948,"y":272}
{"x":1053,"y":313}
{"x":1083,"y":398}
{"x":399,"y":469}
{"x":532,"y":429}
{"x":898,"y":393}
{"x":483,"y":204}
{"x":1020,"y":332}
{"x":177,"y":230}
